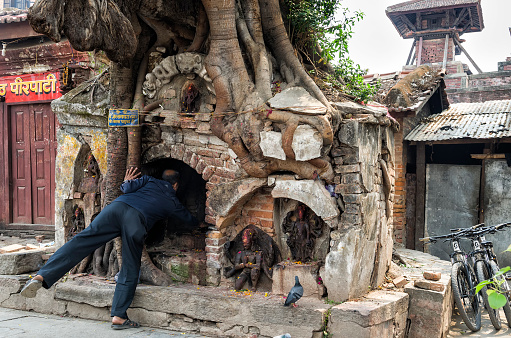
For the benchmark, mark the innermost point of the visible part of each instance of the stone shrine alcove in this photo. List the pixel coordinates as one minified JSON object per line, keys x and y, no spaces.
{"x":86,"y":199}
{"x":175,"y":248}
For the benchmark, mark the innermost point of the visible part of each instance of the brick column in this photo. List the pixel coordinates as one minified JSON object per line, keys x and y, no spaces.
{"x":214,"y":256}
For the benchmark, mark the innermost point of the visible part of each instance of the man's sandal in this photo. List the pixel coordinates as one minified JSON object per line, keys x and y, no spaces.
{"x":128,"y":324}
{"x":30,"y":289}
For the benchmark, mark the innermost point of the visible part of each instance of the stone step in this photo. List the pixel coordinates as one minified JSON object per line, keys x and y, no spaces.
{"x":217,"y":311}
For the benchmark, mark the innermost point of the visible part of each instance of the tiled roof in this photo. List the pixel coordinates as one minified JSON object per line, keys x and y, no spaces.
{"x":386,"y":81}
{"x":409,"y":91}
{"x":484,"y":120}
{"x":13,"y":15}
{"x":417,"y":5}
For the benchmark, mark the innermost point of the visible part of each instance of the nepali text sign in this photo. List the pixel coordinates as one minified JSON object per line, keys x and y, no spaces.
{"x":30,"y":87}
{"x":123,"y":118}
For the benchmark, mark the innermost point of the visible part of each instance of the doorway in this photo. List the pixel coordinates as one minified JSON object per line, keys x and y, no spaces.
{"x":32,"y":152}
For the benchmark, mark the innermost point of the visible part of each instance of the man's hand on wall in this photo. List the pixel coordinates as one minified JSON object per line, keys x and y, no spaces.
{"x":131,"y":174}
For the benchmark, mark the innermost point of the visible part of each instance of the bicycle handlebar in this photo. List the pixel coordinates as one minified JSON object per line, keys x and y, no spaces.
{"x":467,"y":232}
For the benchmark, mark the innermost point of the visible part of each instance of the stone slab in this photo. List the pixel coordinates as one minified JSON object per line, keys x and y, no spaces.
{"x":284,"y":279}
{"x":271,"y":144}
{"x":21,"y":262}
{"x":312,"y":193}
{"x":223,"y":308}
{"x":298,"y":100}
{"x":379,"y":314}
{"x":307,"y":143}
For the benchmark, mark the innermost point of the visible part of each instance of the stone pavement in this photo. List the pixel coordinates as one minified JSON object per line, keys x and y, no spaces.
{"x":17,"y":324}
{"x":459,"y":329}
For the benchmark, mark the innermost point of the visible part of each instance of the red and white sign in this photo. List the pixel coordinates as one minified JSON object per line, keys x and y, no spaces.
{"x":30,"y":87}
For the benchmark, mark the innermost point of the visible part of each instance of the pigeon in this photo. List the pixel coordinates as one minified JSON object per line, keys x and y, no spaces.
{"x":295,"y":293}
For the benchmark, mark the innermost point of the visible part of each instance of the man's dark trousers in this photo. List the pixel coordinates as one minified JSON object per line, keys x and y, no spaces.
{"x":116,"y":219}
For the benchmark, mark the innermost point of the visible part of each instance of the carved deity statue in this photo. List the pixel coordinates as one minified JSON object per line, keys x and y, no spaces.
{"x":302,"y":227}
{"x":258,"y":252}
{"x":77,"y":221}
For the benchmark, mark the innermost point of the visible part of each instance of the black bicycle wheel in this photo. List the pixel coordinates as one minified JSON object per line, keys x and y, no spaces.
{"x":465,"y":298}
{"x":505,"y":286}
{"x":482,"y":274}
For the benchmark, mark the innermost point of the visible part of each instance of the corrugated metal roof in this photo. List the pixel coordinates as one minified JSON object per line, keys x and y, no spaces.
{"x":13,"y":15}
{"x":482,"y":120}
{"x":417,"y":5}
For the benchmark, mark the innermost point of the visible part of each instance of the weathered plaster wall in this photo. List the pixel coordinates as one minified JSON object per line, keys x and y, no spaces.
{"x":82,"y":127}
{"x":361,"y":246}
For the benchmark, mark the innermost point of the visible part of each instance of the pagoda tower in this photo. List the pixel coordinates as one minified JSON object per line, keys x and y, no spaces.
{"x":436,"y":26}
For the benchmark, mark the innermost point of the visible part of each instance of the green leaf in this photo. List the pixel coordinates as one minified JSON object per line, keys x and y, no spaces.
{"x":502,"y":271}
{"x":496,"y":300}
{"x":482,"y":285}
{"x":508,"y":248}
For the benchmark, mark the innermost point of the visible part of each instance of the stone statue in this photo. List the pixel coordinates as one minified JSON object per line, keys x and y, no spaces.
{"x":302,"y":236}
{"x":303,"y":228}
{"x":258,"y":252}
{"x":77,"y":221}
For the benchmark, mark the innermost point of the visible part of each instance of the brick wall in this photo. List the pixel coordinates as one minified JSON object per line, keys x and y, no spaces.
{"x":433,"y":50}
{"x":461,"y":87}
{"x":258,"y":211}
{"x":488,"y":94}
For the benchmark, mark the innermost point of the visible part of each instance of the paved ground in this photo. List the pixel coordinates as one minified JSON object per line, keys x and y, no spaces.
{"x":17,"y":324}
{"x":459,"y":329}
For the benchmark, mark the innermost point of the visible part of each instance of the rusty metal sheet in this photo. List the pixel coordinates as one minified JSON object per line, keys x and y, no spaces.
{"x":484,"y":120}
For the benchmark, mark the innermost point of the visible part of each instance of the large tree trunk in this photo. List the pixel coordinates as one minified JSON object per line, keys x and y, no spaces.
{"x":247,"y":46}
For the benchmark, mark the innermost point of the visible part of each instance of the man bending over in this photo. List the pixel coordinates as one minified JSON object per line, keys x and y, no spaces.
{"x":145,"y":201}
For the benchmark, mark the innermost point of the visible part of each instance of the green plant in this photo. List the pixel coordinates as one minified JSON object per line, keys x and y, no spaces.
{"x":494,"y":287}
{"x":332,"y":302}
{"x":315,"y":27}
{"x":324,"y":327}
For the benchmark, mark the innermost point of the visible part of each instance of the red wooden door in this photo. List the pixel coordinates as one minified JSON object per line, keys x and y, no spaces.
{"x":33,"y":145}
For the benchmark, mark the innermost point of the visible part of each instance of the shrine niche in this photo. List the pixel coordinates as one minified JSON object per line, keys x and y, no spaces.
{"x":252,"y":255}
{"x":181,"y":86}
{"x":86,"y":196}
{"x":302,"y":228}
{"x":77,"y":222}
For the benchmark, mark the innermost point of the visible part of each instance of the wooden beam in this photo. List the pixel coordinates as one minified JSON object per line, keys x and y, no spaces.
{"x":420,"y":200}
{"x":419,"y":56}
{"x":487,"y":156}
{"x":16,"y":30}
{"x":411,"y":51}
{"x":411,"y":188}
{"x":408,"y":23}
{"x":468,"y":56}
{"x":461,"y":16}
{"x":446,"y":48}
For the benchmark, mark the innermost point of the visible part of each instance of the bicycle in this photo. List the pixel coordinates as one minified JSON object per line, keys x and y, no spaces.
{"x":487,"y":268}
{"x":462,"y":280}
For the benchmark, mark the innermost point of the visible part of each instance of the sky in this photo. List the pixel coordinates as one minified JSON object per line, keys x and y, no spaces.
{"x":376,"y":44}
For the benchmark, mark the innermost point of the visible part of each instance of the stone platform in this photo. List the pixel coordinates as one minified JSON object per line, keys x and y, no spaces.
{"x":210,"y":311}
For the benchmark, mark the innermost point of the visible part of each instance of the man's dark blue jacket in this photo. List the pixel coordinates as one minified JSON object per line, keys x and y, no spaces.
{"x":155,"y":199}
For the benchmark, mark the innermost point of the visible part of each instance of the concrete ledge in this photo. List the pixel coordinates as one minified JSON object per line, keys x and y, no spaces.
{"x":379,"y":314}
{"x":210,"y":311}
{"x":429,"y":311}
